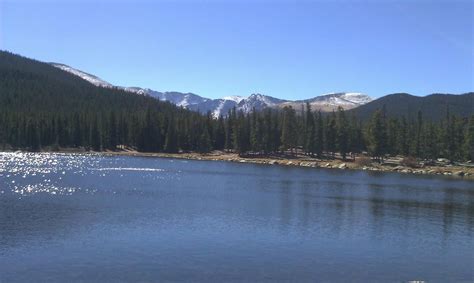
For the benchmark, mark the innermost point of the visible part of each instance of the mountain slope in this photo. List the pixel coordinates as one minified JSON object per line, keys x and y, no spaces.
{"x":40,"y":86}
{"x":433,"y":106}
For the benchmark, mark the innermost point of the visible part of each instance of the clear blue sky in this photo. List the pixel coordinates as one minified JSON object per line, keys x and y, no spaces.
{"x":287,"y":49}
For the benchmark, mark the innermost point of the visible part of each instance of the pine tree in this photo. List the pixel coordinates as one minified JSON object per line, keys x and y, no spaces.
{"x":418,"y":134}
{"x":267,"y":140}
{"x":219,"y":134}
{"x":331,"y":132}
{"x":356,"y":143}
{"x":377,"y":135}
{"x":77,"y":135}
{"x":458,"y":137}
{"x":171,"y":144}
{"x":95,"y":137}
{"x":319,"y":139}
{"x":448,"y":133}
{"x":33,"y":138}
{"x":204,"y":145}
{"x":229,"y":125}
{"x":241,"y":133}
{"x":469,"y":140}
{"x":310,"y":131}
{"x":288,"y":132}
{"x":402,"y":138}
{"x":342,"y":136}
{"x":112,"y":133}
{"x":256,"y":131}
{"x":429,"y":143}
{"x":393,"y":131}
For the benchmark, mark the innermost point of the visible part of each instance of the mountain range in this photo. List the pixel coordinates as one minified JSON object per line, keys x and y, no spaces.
{"x":221,"y":106}
{"x":434,"y":106}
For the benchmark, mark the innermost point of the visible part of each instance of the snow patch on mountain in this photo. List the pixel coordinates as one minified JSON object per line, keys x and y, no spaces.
{"x":235,"y":98}
{"x":357,"y":97}
{"x":137,"y":90}
{"x":347,"y":98}
{"x":88,"y":77}
{"x":218,"y":110}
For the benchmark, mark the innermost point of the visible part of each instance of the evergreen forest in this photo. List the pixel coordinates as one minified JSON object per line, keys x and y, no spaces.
{"x":44,"y":108}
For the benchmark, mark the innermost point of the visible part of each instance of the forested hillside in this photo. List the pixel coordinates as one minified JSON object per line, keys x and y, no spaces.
{"x":433,"y":106}
{"x":43,"y":107}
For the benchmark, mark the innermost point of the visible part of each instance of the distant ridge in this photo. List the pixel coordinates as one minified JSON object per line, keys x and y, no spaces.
{"x":434,"y":106}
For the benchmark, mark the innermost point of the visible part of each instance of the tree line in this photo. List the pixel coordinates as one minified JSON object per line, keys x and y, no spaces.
{"x":270,"y":131}
{"x":315,"y":134}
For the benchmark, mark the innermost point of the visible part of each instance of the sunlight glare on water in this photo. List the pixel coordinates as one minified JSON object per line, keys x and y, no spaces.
{"x":27,"y":173}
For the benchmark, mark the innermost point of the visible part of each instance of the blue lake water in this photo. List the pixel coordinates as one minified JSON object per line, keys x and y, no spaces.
{"x":93,"y":218}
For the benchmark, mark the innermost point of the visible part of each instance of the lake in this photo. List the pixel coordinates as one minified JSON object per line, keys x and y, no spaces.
{"x":93,"y":218}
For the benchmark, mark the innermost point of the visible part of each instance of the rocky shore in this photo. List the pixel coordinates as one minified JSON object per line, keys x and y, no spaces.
{"x":360,"y":163}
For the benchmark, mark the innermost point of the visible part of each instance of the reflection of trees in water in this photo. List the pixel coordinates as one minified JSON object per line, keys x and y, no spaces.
{"x":448,"y":212}
{"x":286,"y":204}
{"x":307,"y":206}
{"x":377,"y":207}
{"x":421,"y":216}
{"x":470,"y":217}
{"x":337,"y":208}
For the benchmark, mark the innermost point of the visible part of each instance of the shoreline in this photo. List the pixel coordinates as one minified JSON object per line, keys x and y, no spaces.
{"x":461,"y":172}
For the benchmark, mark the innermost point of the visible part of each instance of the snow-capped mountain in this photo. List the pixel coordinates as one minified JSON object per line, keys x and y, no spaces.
{"x":342,"y":98}
{"x":258,"y":102}
{"x":221,"y":106}
{"x":178,"y":98}
{"x":88,"y":77}
{"x":331,"y":101}
{"x":217,"y":107}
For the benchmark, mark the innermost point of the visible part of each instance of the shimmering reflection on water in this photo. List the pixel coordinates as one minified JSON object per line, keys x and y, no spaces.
{"x":74,"y":217}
